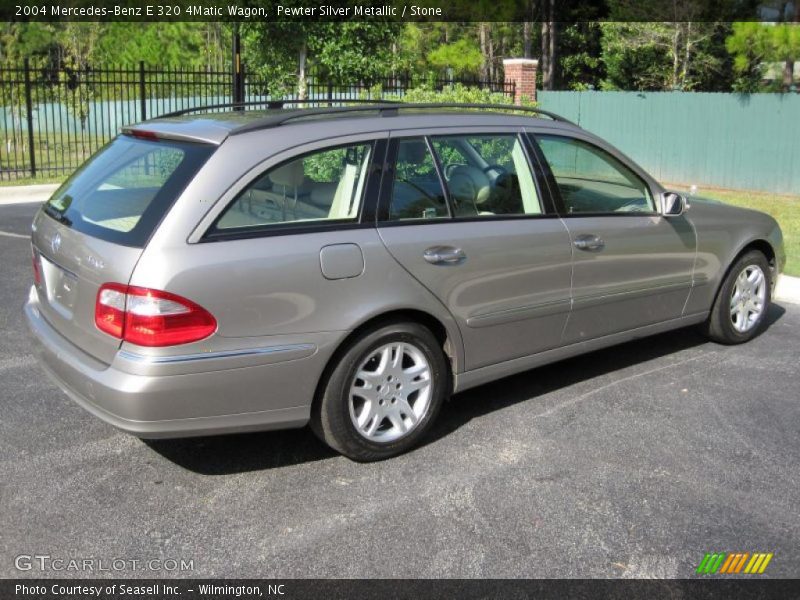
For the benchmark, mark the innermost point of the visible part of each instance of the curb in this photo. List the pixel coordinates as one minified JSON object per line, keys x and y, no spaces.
{"x":788,"y":289}
{"x":22,"y":194}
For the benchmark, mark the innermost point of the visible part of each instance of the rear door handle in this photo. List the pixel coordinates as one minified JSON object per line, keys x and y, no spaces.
{"x":444,"y":255}
{"x":589,"y":242}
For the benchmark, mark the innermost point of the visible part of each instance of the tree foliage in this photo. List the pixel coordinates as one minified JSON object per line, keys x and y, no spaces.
{"x":93,"y":44}
{"x":462,"y":57}
{"x":185,"y":44}
{"x":581,"y":64}
{"x":754,"y":46}
{"x":689,"y":52}
{"x":664,"y":56}
{"x":283,"y":52}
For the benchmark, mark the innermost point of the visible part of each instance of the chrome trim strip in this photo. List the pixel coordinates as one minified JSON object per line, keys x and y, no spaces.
{"x":510,"y":315}
{"x":181,"y":358}
{"x":581,"y":302}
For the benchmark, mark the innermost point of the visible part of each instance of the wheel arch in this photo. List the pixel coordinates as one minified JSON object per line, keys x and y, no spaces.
{"x":762,"y":246}
{"x":449,"y":340}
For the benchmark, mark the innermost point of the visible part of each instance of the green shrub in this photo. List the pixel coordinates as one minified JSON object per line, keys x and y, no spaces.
{"x":457,"y":93}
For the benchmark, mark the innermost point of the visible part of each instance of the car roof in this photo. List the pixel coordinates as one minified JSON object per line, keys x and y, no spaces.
{"x":216,"y":127}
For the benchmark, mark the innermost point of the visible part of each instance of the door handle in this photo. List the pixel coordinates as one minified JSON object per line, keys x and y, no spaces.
{"x":444,"y":255}
{"x":589,"y":242}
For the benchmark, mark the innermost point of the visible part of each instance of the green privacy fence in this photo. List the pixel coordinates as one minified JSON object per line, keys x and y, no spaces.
{"x":733,"y":141}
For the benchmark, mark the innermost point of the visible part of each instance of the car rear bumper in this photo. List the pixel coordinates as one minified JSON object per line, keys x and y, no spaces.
{"x":258,"y":388}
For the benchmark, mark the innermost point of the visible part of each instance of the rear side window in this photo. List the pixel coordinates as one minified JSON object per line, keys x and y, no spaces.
{"x":122,"y":192}
{"x":326,"y":186}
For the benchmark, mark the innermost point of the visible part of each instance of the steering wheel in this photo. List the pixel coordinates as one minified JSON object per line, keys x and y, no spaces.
{"x":501,"y":170}
{"x":448,"y":169}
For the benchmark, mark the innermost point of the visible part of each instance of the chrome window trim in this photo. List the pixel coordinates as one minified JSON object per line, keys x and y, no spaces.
{"x":181,"y":358}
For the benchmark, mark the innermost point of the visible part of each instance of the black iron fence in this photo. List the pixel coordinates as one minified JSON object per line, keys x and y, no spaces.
{"x":53,"y":119}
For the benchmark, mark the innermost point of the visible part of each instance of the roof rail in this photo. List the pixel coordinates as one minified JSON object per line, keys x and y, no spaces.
{"x":510,"y":107}
{"x":273,"y":104}
{"x":386,"y":109}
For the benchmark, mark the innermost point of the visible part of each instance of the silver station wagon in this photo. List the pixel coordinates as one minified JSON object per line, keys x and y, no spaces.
{"x":351,"y":267}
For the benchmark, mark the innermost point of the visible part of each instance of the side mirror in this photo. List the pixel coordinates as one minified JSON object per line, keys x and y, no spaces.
{"x":672,"y":204}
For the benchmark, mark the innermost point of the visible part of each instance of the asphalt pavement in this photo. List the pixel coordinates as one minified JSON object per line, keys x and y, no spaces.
{"x":629,"y":462}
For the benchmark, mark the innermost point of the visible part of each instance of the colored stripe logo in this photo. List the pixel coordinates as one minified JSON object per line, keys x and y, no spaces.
{"x":732,"y":563}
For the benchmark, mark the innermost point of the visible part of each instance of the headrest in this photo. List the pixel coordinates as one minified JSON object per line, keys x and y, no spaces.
{"x":291,"y":174}
{"x":413,"y":151}
{"x":469,"y":184}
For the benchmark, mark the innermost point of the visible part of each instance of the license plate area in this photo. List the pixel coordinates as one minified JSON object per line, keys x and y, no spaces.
{"x":61,"y":287}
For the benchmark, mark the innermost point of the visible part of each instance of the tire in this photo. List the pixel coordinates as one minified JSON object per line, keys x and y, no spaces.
{"x":725,"y":324}
{"x":365,"y":386}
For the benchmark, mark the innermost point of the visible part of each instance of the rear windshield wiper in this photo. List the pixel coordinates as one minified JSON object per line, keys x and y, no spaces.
{"x":60,"y":217}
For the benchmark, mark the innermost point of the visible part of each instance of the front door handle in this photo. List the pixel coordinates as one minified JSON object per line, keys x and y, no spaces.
{"x":589,"y":242}
{"x":444,"y":255}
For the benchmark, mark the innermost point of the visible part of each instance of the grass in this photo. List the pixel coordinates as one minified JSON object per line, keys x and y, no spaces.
{"x":785,"y":210}
{"x":31,"y":181}
{"x":53,"y":152}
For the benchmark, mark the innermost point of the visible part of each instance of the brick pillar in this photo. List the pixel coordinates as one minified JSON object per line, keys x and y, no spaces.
{"x":522,"y":71}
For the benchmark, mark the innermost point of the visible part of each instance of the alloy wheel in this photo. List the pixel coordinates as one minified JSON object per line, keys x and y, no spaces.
{"x":391,"y":392}
{"x":748,"y":298}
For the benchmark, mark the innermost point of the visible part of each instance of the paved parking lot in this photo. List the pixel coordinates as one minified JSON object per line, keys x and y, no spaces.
{"x":630,"y":462}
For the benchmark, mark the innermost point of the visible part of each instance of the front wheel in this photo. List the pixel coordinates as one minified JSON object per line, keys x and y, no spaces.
{"x":383,"y":392}
{"x":741,"y":305}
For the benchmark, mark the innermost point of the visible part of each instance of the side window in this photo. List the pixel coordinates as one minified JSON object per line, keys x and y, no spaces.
{"x":591,"y":180}
{"x":416,"y":191}
{"x":326,"y":185}
{"x":487,"y":175}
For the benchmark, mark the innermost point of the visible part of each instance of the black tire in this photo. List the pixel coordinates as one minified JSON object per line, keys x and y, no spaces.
{"x":719,"y":327}
{"x":330,"y":415}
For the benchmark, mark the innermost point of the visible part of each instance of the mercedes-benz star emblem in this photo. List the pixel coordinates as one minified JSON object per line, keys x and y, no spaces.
{"x":55,"y":243}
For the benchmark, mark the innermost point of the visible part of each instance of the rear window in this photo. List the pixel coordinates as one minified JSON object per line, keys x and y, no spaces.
{"x":122,"y":192}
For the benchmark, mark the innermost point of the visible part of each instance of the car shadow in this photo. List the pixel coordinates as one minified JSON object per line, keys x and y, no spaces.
{"x":241,"y":453}
{"x":527,"y":385}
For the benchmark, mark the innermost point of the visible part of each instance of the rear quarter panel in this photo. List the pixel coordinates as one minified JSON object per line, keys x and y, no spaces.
{"x":272,"y":287}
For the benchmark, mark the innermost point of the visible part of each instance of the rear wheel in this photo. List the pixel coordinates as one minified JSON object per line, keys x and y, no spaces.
{"x":741,"y":305}
{"x":383,"y":392}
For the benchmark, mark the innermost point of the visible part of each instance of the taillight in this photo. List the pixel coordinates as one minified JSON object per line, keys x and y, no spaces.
{"x":150,"y":317}
{"x":37,"y":274}
{"x":109,"y":309}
